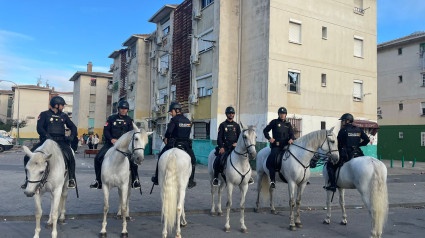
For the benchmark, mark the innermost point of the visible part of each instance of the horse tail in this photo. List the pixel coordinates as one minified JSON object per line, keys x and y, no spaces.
{"x":379,"y":197}
{"x":169,"y":192}
{"x":265,"y":195}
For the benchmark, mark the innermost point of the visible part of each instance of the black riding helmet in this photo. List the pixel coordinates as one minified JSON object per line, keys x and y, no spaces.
{"x":123,"y":104}
{"x":282,"y":110}
{"x":57,"y":100}
{"x":230,"y":110}
{"x":175,"y":106}
{"x":347,"y":117}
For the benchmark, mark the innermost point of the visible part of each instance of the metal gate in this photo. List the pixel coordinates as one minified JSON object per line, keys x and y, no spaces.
{"x":296,"y":125}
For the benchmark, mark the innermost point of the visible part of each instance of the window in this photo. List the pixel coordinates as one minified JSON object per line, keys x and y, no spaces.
{"x":162,"y":96}
{"x":400,"y":78}
{"x":205,"y":42}
{"x":322,"y":125}
{"x":201,"y":130}
{"x":133,"y":51}
{"x":423,"y":80}
{"x":201,"y":92}
{"x":423,"y":108}
{"x":165,"y":26}
{"x":323,"y":80}
{"x":294,"y":31}
{"x":173,"y":93}
{"x":400,"y":106}
{"x":293,"y":81}
{"x":163,"y":62}
{"x":422,"y":138}
{"x":324,"y":32}
{"x":400,"y":51}
{"x":205,"y":3}
{"x":421,"y":50}
{"x":358,"y":46}
{"x":209,"y":91}
{"x":400,"y":135}
{"x":358,"y":90}
{"x":92,"y":82}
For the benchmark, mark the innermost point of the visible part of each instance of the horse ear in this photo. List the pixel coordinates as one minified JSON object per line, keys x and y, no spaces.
{"x":135,"y":127}
{"x":47,"y":157}
{"x":27,"y":151}
{"x":330,"y":131}
{"x":242,"y":126}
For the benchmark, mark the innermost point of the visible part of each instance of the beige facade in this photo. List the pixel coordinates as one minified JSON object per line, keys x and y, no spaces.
{"x":401,"y":81}
{"x":268,"y":54}
{"x":91,"y":100}
{"x":6,"y":103}
{"x":32,"y":101}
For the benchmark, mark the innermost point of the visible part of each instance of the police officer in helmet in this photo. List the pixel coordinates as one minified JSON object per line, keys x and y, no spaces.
{"x":350,"y":138}
{"x":51,"y":125}
{"x":227,"y":138}
{"x":283,"y":135}
{"x":116,"y":126}
{"x":178,"y":133}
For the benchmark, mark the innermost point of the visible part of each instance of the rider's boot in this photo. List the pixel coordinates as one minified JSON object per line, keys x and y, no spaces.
{"x":250,"y":181}
{"x":215,"y":182}
{"x":96,"y":185}
{"x":134,"y":177}
{"x":155,"y":178}
{"x":72,"y":183}
{"x":331,"y":179}
{"x":24,"y":186}
{"x":136,"y":184}
{"x":192,"y":182}
{"x":272,"y":185}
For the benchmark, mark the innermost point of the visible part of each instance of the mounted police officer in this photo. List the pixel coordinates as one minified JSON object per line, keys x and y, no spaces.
{"x":227,"y":138}
{"x":51,"y":125}
{"x":350,"y":138}
{"x":178,"y":135}
{"x":283,"y":135}
{"x":116,"y":126}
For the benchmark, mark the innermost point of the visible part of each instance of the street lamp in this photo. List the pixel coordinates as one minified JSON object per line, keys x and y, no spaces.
{"x":19,"y":95}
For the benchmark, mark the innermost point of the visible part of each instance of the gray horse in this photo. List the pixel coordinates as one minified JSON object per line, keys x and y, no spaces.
{"x":116,"y":172}
{"x":46,"y":173}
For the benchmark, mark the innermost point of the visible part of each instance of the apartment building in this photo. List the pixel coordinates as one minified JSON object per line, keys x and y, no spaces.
{"x":6,"y":103}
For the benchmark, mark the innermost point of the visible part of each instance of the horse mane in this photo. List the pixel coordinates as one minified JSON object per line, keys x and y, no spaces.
{"x":310,"y":138}
{"x":50,"y":147}
{"x":125,"y":138}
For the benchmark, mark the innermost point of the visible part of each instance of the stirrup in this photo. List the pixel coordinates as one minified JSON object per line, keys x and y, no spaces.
{"x":191,"y":184}
{"x":154,"y":180}
{"x":250,"y":181}
{"x":215,"y":182}
{"x":96,"y":185}
{"x":72,"y":183}
{"x":136,"y":184}
{"x":272,"y":184}
{"x":331,"y":188}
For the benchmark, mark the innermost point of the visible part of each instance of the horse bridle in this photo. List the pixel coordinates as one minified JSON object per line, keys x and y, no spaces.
{"x":318,"y":154}
{"x":246,"y":147}
{"x":133,"y":150}
{"x":43,"y":179}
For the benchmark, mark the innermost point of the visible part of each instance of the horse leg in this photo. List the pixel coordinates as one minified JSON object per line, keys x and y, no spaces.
{"x":228,"y":206}
{"x":180,"y":205}
{"x":329,"y":208}
{"x":300,"y":191}
{"x":105,"y":189}
{"x":183,"y":222}
{"x":291,"y":187}
{"x":220,"y":195}
{"x":38,"y":213}
{"x":62,"y":204}
{"x":243,"y":189}
{"x":272,"y":208}
{"x":342,"y":204}
{"x":213,"y":190}
{"x":127,"y":215}
{"x":54,"y":211}
{"x":259,"y":179}
{"x":123,"y":201}
{"x":49,"y":224}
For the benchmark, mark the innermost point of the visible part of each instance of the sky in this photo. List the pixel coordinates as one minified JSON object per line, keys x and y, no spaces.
{"x":51,"y":40}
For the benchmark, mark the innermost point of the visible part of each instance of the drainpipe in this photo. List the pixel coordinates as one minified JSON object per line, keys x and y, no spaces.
{"x":238,"y":118}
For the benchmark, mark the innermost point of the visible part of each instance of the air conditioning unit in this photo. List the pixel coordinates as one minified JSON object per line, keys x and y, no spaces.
{"x":152,"y":54}
{"x":163,"y":71}
{"x":193,"y":99}
{"x":155,"y":108}
{"x":196,"y":14}
{"x":194,"y":58}
{"x":158,"y":40}
{"x":110,"y":87}
{"x":162,"y":108}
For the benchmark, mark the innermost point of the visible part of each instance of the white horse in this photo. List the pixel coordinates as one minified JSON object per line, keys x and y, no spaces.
{"x":295,"y":169}
{"x":47,"y":173}
{"x":129,"y":148}
{"x":238,"y":171}
{"x":369,"y":176}
{"x":174,"y":169}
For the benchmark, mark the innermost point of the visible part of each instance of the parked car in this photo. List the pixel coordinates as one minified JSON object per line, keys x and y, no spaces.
{"x":5,"y":144}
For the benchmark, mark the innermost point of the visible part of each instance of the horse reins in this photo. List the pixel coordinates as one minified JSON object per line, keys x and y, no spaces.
{"x":43,"y":179}
{"x":244,"y":155}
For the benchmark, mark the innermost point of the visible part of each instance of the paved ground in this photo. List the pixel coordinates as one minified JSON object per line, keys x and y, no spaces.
{"x":405,"y":186}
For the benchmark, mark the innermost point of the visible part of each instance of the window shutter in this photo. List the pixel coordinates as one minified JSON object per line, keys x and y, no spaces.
{"x":357,"y":91}
{"x":294,"y":32}
{"x":358,"y":47}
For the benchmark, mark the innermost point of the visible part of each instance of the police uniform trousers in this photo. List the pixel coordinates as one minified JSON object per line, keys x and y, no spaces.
{"x":98,"y":160}
{"x":271,"y":162}
{"x":218,"y":160}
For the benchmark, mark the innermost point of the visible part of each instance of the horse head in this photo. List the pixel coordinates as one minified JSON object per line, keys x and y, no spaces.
{"x":37,"y":170}
{"x":331,"y":146}
{"x":137,"y":144}
{"x":249,"y":138}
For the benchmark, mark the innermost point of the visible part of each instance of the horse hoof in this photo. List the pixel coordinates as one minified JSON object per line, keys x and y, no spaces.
{"x":212,"y":214}
{"x":61,"y":222}
{"x":274,"y":212}
{"x":299,"y":225}
{"x":326,"y":222}
{"x":182,"y":224}
{"x":227,"y":229}
{"x":119,"y":217}
{"x":128,"y":218}
{"x":220,"y":214}
{"x":49,"y":226}
{"x":124,"y":235}
{"x":292,"y":228}
{"x":256,"y":210}
{"x":343,"y":223}
{"x":102,"y":235}
{"x":244,"y":231}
